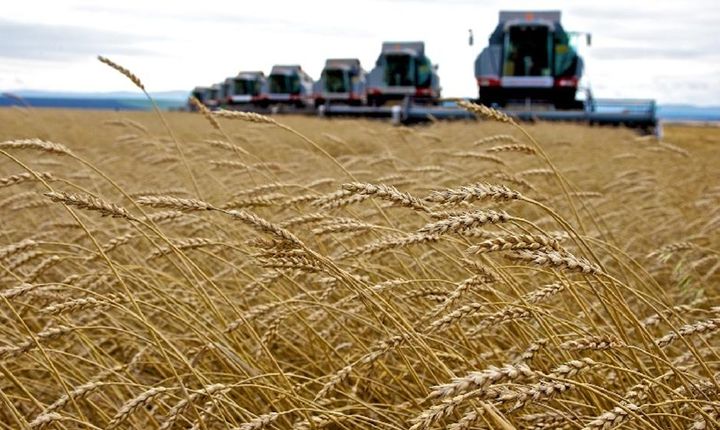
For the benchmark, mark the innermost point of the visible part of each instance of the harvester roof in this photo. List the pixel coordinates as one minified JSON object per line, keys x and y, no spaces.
{"x":250,"y":75}
{"x":342,"y":63}
{"x":550,"y":17}
{"x":285,"y":69}
{"x":412,"y":48}
{"x":507,"y":19}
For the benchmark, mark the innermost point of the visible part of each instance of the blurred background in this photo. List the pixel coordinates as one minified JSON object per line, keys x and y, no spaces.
{"x":666,"y":50}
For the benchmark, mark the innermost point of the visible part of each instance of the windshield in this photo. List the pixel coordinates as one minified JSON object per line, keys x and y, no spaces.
{"x":424,"y":73}
{"x":246,"y":87}
{"x":399,"y":70}
{"x":565,"y":55}
{"x":408,"y":71}
{"x":336,"y":81}
{"x":527,"y":51}
{"x":213,"y":94}
{"x":200,"y":95}
{"x":285,"y":84}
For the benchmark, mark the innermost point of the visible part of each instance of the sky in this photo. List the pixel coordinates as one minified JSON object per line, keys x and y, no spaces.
{"x":661,"y":49}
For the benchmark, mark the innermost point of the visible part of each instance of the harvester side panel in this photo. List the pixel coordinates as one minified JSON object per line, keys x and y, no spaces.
{"x":488,"y":62}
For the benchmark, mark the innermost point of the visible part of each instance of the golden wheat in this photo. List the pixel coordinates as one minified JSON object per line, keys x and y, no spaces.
{"x":386,"y":278}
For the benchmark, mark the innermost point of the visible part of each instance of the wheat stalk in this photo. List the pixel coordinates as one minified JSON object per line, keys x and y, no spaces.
{"x":563,"y":260}
{"x":244,"y":116}
{"x":205,"y":113}
{"x":92,"y":203}
{"x":386,"y":192}
{"x":24,"y":177}
{"x":525,"y":149}
{"x":80,"y":304}
{"x":37,"y":144}
{"x":481,"y":380}
{"x":596,"y":343}
{"x":498,"y":138}
{"x":485,"y":112}
{"x":701,"y":327}
{"x":470,"y":193}
{"x":260,"y":422}
{"x":128,"y":74}
{"x":134,"y":404}
{"x":515,"y":242}
{"x":465,"y":222}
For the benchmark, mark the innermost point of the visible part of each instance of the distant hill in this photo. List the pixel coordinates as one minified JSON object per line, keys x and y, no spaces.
{"x":124,"y":100}
{"x":170,"y":100}
{"x":680,"y":112}
{"x":165,"y":95}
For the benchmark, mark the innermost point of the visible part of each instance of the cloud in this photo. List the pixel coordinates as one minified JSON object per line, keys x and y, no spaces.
{"x":268,"y":22}
{"x":647,"y":53}
{"x":33,"y":41}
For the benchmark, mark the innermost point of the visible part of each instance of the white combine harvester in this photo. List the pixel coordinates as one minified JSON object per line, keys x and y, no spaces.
{"x":402,"y":70}
{"x":343,"y":80}
{"x":202,"y":94}
{"x":529,"y":69}
{"x":214,"y":96}
{"x":290,"y":85}
{"x":247,"y":88}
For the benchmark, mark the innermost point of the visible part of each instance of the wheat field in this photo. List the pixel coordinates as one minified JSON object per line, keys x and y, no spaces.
{"x":178,"y":271}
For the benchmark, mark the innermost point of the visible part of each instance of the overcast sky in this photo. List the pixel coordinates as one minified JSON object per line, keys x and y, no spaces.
{"x":664,"y":49}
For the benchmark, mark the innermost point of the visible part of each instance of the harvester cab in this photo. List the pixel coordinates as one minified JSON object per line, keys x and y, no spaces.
{"x":249,"y":87}
{"x":343,"y":80}
{"x":214,"y":96}
{"x":402,"y":70}
{"x":226,"y":91}
{"x":201,"y":94}
{"x":529,"y":59}
{"x":290,"y":85}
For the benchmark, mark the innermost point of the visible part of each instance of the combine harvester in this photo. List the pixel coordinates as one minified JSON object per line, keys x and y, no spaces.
{"x":403,"y":76}
{"x":402,"y":70}
{"x":209,"y":96}
{"x":531,"y":71}
{"x":529,"y":58}
{"x":200,"y":93}
{"x":248,"y":89}
{"x":343,"y":81}
{"x":290,"y":85}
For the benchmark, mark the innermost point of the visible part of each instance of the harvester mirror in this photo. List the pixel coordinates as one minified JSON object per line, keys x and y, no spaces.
{"x":471,"y":39}
{"x":436,"y":67}
{"x":588,"y":39}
